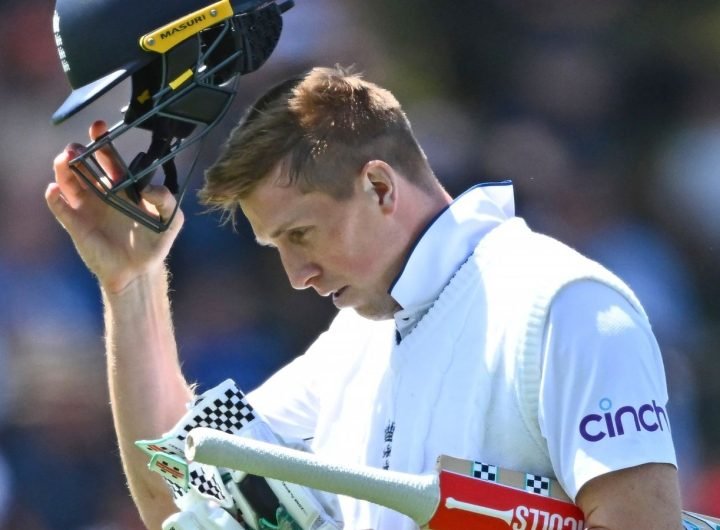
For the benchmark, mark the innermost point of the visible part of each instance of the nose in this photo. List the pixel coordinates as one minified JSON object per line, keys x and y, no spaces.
{"x":301,"y":271}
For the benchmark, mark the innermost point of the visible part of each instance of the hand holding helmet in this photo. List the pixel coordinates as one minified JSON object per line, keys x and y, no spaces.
{"x":113,"y":246}
{"x":183,"y":59}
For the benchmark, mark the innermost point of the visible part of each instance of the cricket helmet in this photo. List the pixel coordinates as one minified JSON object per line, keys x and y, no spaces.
{"x":183,"y":57}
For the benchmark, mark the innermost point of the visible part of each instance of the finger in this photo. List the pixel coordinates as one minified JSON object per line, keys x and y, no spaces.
{"x":58,"y":205}
{"x":107,"y":156}
{"x":71,"y":187}
{"x":160,"y":201}
{"x":87,"y":170}
{"x":97,"y":129}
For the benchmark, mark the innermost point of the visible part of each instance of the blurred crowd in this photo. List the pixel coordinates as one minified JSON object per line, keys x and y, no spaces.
{"x":605,"y":114}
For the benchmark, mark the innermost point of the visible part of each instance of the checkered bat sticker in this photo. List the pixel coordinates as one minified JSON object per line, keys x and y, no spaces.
{"x":262,"y":504}
{"x":223,"y":408}
{"x":463,"y":494}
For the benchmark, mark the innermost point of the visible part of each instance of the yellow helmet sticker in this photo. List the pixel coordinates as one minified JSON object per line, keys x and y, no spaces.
{"x":170,"y":35}
{"x":144,"y":96}
{"x":179,"y":80}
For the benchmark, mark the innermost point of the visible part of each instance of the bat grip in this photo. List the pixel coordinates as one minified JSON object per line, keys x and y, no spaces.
{"x":416,"y":496}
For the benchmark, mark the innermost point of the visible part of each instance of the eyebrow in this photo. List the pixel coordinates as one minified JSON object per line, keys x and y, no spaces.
{"x":276,"y":233}
{"x":282,"y":228}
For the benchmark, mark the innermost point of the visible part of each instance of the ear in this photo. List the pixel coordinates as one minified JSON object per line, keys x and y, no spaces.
{"x":380,"y":182}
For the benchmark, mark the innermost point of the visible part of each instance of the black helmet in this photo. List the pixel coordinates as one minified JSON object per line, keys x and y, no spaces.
{"x":184,"y":58}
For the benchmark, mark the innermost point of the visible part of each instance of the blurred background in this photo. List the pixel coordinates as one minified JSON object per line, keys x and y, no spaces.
{"x":605,"y":114}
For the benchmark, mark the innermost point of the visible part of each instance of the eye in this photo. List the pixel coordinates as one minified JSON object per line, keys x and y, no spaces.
{"x":297,"y":236}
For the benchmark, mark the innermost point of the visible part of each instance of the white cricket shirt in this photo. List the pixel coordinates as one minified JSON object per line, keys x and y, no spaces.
{"x":602,"y":400}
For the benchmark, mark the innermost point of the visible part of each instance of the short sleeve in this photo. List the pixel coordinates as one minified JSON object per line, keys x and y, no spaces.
{"x":603,"y":395}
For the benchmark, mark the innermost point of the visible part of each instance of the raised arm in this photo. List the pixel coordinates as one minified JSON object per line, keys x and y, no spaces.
{"x":147,"y":389}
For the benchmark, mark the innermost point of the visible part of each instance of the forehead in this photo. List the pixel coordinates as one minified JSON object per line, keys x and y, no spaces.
{"x":265,"y":203}
{"x":274,"y":206}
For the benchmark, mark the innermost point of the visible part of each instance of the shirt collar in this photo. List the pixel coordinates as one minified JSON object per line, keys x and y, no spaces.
{"x":445,"y":245}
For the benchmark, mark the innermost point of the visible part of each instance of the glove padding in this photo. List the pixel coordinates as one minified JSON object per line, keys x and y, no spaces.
{"x":260,"y":503}
{"x":201,"y":514}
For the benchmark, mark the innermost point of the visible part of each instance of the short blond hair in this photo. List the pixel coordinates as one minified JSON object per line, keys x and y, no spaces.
{"x":322,"y":128}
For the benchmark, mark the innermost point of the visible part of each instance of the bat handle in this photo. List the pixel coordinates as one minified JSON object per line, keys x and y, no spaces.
{"x":416,"y":496}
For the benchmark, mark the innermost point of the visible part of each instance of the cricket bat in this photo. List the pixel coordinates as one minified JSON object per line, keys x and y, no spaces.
{"x":463,"y":494}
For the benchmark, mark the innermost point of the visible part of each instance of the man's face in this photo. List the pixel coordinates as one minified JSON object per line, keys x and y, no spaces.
{"x":347,"y":249}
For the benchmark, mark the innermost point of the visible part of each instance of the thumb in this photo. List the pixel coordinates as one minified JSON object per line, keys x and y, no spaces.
{"x":164,"y":203}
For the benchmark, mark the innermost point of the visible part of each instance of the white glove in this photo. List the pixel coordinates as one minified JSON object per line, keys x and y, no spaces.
{"x":201,"y":515}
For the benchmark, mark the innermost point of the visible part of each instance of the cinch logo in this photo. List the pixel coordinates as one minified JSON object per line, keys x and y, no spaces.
{"x":649,"y":417}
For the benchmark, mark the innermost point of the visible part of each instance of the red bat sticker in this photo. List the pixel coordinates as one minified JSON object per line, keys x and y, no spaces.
{"x":468,"y":502}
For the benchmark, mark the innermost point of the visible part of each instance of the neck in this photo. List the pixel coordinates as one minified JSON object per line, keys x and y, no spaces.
{"x":429,"y":206}
{"x":422,"y":208}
